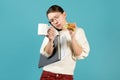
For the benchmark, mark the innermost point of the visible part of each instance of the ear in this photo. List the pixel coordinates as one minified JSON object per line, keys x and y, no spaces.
{"x":64,"y":14}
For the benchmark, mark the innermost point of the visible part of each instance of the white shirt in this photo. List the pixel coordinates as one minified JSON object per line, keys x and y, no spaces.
{"x":68,"y":61}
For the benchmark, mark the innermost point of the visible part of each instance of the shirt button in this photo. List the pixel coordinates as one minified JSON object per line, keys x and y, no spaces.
{"x":48,"y":76}
{"x":57,"y":75}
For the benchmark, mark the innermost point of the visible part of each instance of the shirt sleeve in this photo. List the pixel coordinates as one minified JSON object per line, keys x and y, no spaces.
{"x":82,"y":41}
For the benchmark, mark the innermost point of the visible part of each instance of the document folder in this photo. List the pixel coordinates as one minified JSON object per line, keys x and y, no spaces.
{"x":56,"y":55}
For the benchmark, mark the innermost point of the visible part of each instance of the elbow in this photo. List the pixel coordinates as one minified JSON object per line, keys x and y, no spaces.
{"x":83,"y":54}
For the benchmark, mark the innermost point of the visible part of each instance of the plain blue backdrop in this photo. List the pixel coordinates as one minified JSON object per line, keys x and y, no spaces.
{"x":20,"y":44}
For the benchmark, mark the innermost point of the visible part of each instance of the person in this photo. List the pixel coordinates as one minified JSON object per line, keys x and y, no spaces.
{"x":74,"y":46}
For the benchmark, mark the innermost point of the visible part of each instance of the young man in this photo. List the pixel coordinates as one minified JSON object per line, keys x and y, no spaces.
{"x":74,"y":45}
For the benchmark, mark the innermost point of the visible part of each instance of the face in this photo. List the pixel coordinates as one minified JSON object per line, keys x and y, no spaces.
{"x":57,"y":19}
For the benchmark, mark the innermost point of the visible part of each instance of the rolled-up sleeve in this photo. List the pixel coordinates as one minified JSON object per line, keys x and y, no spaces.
{"x":83,"y":42}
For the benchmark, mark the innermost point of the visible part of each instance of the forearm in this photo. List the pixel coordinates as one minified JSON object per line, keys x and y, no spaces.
{"x":49,"y":47}
{"x":77,"y":49}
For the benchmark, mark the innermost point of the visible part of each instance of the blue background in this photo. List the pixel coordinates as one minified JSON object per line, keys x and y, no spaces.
{"x":20,"y":44}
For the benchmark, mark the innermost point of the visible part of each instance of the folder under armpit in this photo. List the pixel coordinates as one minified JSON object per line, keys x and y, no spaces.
{"x":56,"y":56}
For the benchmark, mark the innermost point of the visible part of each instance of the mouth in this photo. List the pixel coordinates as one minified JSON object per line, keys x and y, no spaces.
{"x":58,"y":25}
